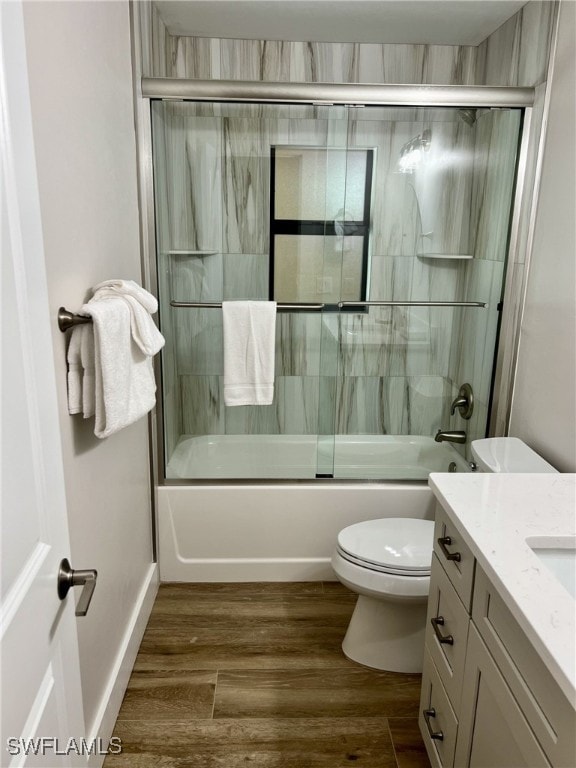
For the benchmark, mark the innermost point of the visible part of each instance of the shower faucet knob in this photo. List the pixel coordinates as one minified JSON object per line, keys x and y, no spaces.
{"x":464,"y":402}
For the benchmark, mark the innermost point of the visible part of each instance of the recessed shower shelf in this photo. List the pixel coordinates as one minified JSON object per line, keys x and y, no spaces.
{"x":445,"y":256}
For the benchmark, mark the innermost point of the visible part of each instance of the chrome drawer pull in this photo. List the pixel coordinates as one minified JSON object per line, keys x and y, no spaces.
{"x":439,"y":622}
{"x":438,"y":735}
{"x":445,"y":541}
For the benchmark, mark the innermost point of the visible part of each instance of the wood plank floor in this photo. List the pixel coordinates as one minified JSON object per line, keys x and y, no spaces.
{"x":232,"y":675}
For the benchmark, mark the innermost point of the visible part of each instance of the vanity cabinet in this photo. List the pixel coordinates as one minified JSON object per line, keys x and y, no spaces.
{"x":488,"y":701}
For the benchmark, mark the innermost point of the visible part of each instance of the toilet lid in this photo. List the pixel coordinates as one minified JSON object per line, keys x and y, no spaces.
{"x":396,"y":545}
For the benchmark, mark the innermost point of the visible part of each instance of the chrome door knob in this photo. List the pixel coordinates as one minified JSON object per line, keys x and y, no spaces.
{"x":67,"y":578}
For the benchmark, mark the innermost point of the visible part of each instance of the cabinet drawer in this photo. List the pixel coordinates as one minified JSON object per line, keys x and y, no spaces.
{"x":446,"y":632}
{"x":545,"y":707}
{"x":436,"y":717}
{"x":454,"y":555}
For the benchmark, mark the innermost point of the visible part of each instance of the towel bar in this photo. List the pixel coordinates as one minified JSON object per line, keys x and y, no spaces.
{"x":218,"y":305}
{"x":67,"y":320}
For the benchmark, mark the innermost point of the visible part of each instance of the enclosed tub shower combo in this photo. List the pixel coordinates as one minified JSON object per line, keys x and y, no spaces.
{"x":380,"y":224}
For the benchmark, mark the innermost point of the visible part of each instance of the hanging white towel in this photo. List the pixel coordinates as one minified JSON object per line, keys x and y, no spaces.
{"x":129,"y":288}
{"x":87,"y":356}
{"x":124,"y":386}
{"x":74,"y":376}
{"x":142,"y":304}
{"x":249,"y":342}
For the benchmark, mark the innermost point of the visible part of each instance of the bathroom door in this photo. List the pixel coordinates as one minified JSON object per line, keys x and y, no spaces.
{"x":41,"y":691}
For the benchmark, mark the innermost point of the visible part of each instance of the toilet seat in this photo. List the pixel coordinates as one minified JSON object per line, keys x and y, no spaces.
{"x":397,"y":546}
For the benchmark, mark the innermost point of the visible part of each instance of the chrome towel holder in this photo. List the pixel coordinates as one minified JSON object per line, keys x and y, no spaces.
{"x":67,"y":320}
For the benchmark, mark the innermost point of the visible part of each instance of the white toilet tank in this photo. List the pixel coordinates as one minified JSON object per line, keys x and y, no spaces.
{"x":507,"y":454}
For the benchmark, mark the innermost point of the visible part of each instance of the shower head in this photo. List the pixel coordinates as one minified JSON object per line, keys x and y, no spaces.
{"x":468,"y":115}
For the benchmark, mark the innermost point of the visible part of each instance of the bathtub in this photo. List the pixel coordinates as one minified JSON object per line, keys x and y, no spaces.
{"x":262,"y":531}
{"x":293,"y":457}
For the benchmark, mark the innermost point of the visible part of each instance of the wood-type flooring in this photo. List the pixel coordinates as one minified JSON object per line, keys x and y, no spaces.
{"x":232,"y":675}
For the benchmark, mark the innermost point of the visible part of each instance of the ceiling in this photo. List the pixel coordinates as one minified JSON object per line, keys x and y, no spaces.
{"x":437,"y":22}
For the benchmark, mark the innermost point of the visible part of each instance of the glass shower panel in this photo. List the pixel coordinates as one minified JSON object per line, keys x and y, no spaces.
{"x":443,"y":186}
{"x":214,"y":205}
{"x":324,"y":205}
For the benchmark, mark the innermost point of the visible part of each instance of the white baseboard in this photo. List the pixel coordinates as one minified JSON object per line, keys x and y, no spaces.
{"x":105,"y":719}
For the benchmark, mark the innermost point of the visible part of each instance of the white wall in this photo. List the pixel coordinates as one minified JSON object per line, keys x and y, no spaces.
{"x":544,"y":403}
{"x":81,"y":94}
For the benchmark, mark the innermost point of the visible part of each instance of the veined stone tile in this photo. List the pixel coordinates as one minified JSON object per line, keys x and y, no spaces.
{"x":195,"y":277}
{"x":428,"y":399}
{"x":299,"y":405}
{"x":193,"y":180}
{"x":202,"y":405}
{"x":246,"y":185}
{"x":324,"y":62}
{"x":443,"y":183}
{"x":517,"y":53}
{"x":360,"y":406}
{"x":191,"y":57}
{"x":434,"y":64}
{"x":299,"y":337}
{"x":255,"y":419}
{"x":494,"y":170}
{"x":198,"y":341}
{"x":255,"y":60}
{"x":391,"y":279}
{"x":246,"y":276}
{"x":479,"y":327}
{"x":536,"y":34}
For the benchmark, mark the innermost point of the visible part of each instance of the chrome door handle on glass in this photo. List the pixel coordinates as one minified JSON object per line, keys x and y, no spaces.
{"x":67,"y":578}
{"x":439,"y":622}
{"x":444,"y":542}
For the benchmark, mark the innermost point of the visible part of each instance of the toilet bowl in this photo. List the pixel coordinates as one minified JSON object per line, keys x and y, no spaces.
{"x":387,"y":562}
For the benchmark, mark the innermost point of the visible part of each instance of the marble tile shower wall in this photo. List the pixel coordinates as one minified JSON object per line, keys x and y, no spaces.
{"x":215,"y":200}
{"x":207,"y":58}
{"x":516,"y":54}
{"x":475,"y":330}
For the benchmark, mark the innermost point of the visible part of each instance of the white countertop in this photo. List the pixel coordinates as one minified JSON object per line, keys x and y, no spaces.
{"x":495,"y":514}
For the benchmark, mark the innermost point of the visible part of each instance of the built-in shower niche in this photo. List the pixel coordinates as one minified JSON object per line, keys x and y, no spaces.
{"x":360,"y":371}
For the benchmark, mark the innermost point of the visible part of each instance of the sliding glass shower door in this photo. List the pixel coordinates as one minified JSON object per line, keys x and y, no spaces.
{"x":380,"y":232}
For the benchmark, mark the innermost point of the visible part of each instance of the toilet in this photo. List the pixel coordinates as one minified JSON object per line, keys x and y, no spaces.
{"x":387,"y":562}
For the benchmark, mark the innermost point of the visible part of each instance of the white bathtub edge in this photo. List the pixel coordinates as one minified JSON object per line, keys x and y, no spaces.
{"x":247,"y":533}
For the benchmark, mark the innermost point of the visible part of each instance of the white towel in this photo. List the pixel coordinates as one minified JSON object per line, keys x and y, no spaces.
{"x":249,"y":342}
{"x":130,"y":288}
{"x":142,"y":304}
{"x":124,"y":386}
{"x":74,"y":376}
{"x":88,"y":356}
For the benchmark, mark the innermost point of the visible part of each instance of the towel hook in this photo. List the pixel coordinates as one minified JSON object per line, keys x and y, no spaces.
{"x":67,"y":320}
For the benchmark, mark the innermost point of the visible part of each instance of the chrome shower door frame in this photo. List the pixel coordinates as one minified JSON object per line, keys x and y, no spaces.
{"x":456,"y":96}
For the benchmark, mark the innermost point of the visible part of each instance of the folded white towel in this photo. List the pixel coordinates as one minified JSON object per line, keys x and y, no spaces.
{"x":74,"y":377}
{"x":249,"y":342}
{"x":130,"y":288}
{"x":142,"y":304}
{"x":87,"y":356}
{"x":124,"y":386}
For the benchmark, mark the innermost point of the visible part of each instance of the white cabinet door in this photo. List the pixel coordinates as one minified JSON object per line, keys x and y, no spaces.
{"x":493,"y":732}
{"x":41,"y":694}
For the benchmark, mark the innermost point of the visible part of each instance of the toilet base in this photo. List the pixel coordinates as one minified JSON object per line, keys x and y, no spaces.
{"x":387,"y":635}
